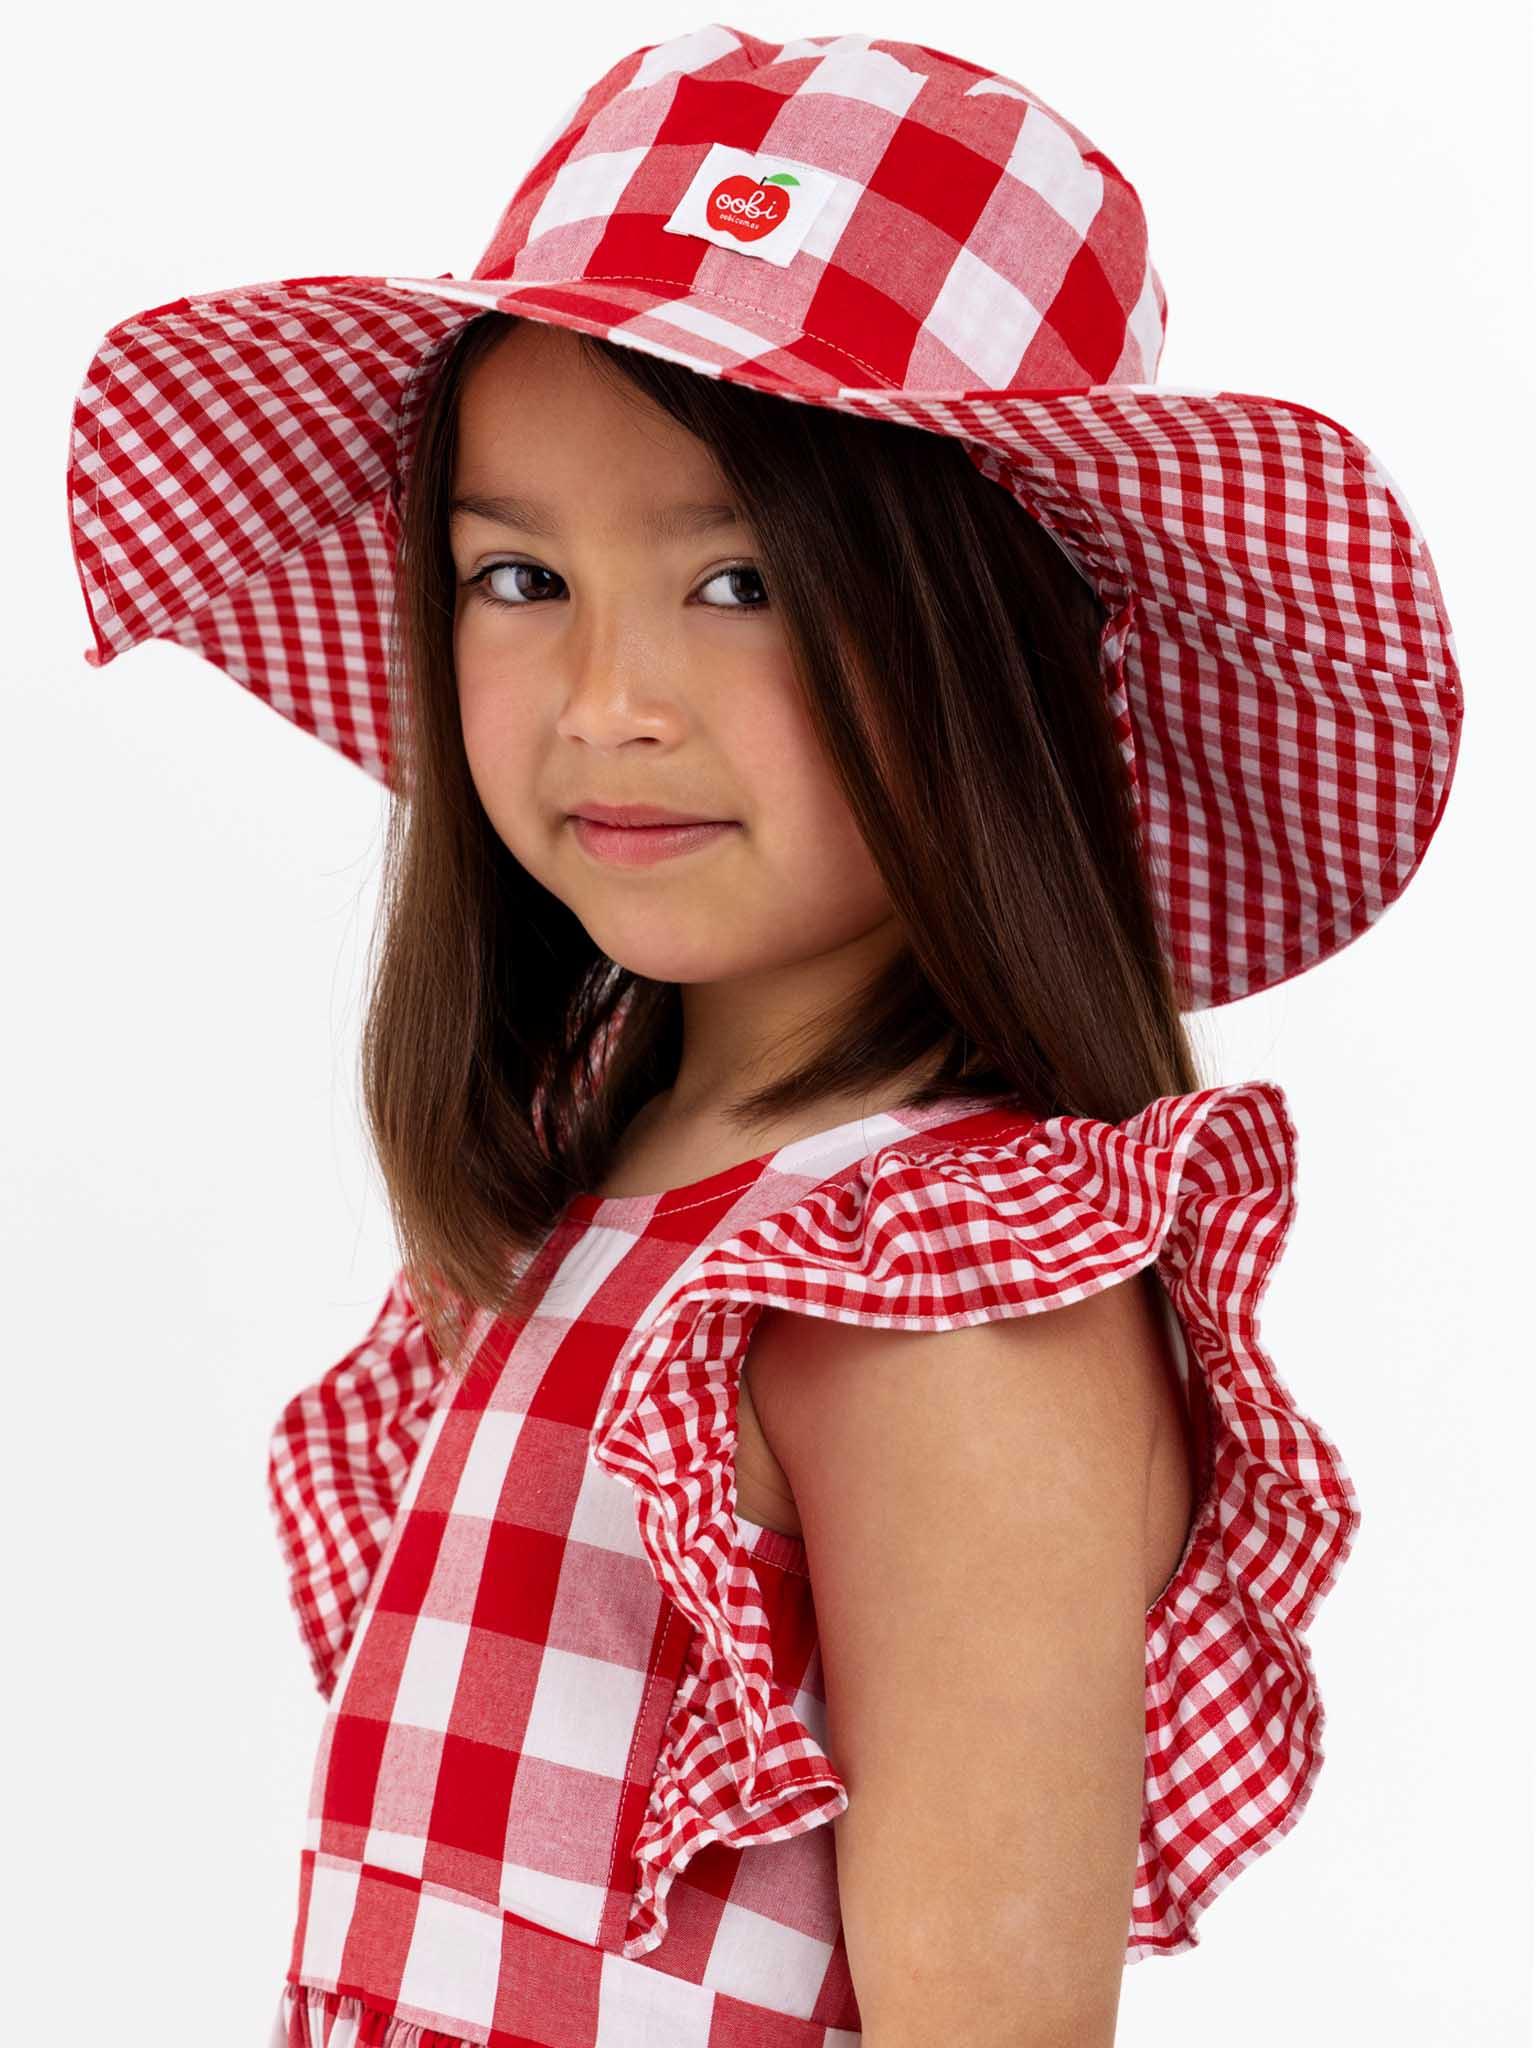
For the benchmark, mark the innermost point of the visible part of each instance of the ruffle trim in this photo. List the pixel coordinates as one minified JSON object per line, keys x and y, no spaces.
{"x":308,"y":2017}
{"x":338,"y":1459}
{"x":1015,"y":1217}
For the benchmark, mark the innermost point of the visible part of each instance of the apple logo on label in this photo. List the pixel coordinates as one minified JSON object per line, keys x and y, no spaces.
{"x":741,"y":207}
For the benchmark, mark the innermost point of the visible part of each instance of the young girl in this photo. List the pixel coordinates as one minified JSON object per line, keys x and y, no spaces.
{"x":789,"y":925}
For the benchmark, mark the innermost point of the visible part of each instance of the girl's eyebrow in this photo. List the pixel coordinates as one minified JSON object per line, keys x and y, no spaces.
{"x":680,"y":521}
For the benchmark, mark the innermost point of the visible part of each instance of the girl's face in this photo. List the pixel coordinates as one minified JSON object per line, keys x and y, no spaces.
{"x":642,"y":671}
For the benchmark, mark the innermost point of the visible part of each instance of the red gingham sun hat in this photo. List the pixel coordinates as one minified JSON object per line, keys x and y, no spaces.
{"x":875,"y":226}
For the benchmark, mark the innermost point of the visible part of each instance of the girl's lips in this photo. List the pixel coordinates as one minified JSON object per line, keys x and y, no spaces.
{"x":639,"y":845}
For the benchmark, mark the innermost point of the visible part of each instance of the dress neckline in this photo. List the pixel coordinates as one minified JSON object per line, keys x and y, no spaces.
{"x":590,"y":1208}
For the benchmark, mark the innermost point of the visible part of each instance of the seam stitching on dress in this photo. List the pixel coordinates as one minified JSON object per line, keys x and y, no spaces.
{"x":669,"y":1621}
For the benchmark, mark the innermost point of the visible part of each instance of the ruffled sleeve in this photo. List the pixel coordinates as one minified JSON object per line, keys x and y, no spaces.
{"x":1013,"y":1217}
{"x":338,"y":1461}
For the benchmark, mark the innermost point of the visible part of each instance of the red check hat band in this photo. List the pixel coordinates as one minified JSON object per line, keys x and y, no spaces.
{"x":875,"y":226}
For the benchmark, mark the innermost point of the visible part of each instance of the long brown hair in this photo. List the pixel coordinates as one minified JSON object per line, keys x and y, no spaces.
{"x":948,"y":652}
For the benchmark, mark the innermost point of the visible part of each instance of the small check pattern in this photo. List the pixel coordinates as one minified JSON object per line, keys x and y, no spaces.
{"x":1278,"y":658}
{"x":573,"y":1786}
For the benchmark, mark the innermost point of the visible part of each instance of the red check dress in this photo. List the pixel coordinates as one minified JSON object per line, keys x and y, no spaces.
{"x":572,"y":1789}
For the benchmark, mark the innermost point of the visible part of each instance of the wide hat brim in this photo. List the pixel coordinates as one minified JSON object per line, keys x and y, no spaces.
{"x":1278,"y":657}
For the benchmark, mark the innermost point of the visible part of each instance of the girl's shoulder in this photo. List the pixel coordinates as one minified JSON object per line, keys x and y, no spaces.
{"x":995,"y":1217}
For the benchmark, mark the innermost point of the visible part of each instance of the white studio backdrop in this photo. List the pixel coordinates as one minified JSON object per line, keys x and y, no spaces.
{"x":1339,"y":201}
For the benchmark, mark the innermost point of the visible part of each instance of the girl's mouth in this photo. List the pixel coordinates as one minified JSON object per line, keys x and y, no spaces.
{"x":640,"y":845}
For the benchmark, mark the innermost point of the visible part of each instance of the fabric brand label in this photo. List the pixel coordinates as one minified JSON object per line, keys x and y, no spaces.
{"x":757,"y":205}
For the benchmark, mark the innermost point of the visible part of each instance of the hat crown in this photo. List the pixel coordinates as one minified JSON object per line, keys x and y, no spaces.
{"x":981,"y":241}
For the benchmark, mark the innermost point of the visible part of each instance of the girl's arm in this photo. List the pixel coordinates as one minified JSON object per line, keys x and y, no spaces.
{"x":974,"y":1505}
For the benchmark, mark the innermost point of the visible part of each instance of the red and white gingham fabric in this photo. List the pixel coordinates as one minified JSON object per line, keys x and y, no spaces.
{"x":340,"y":1457}
{"x":577,"y":1725}
{"x":1278,"y":658}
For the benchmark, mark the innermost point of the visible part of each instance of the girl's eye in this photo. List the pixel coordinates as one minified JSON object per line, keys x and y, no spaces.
{"x":753,"y":578}
{"x":510,"y":595}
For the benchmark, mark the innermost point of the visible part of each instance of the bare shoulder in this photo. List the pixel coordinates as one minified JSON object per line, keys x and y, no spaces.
{"x":1094,"y":1379}
{"x":974,"y":1505}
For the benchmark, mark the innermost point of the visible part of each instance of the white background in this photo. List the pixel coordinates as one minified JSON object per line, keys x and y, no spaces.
{"x":1339,"y":199}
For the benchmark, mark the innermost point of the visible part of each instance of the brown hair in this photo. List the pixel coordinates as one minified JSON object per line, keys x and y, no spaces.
{"x":948,"y":650}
